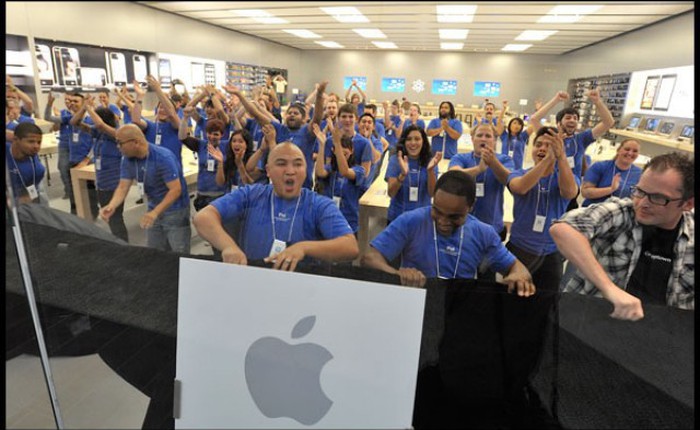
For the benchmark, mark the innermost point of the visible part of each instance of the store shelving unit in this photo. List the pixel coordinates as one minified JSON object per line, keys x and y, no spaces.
{"x":613,"y":91}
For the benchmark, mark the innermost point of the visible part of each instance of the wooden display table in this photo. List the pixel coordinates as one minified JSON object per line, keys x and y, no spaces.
{"x":655,"y":139}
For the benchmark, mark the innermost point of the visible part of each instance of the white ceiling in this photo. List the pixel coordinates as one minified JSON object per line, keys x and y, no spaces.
{"x":414,"y":26}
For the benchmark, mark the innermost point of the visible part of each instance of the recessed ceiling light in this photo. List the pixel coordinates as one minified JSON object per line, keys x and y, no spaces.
{"x":534,"y":35}
{"x":447,"y":45}
{"x":329,"y":44}
{"x":453,"y":34}
{"x":481,"y":49}
{"x":260,"y":16}
{"x":455,"y":13}
{"x":305,"y":34}
{"x":345,"y":14}
{"x":515,"y":47}
{"x":370,"y":33}
{"x":568,"y":13}
{"x":385,"y":45}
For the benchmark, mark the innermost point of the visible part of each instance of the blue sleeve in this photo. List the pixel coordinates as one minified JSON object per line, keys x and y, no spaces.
{"x":507,"y":162}
{"x":393,"y":239}
{"x":232,"y":205}
{"x":367,"y":153}
{"x":168,"y":167}
{"x":127,"y":170}
{"x":434,"y":123}
{"x":516,"y":174}
{"x":586,"y":138}
{"x":392,"y":169}
{"x":360,"y":177}
{"x":498,"y":256}
{"x":331,"y":221}
{"x":594,"y":174}
{"x":457,"y":125}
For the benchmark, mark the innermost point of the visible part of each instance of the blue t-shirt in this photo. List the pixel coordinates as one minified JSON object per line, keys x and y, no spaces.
{"x":420,"y":123}
{"x":542,"y":199}
{"x":168,"y":138}
{"x":600,"y":174}
{"x":107,"y":159}
{"x":413,"y":236}
{"x":206,"y":178}
{"x":392,"y":136}
{"x":155,"y":171}
{"x":23,"y":173}
{"x":444,"y":143}
{"x":115,"y":110}
{"x":255,"y":132}
{"x":127,"y":115}
{"x":336,"y":185}
{"x":379,"y":127}
{"x":576,"y":147}
{"x":81,"y":142}
{"x":489,"y":207}
{"x":417,"y":177}
{"x":514,"y":146}
{"x":66,"y":130}
{"x":484,"y":120}
{"x":317,"y":218}
{"x":12,"y":125}
{"x":361,"y":148}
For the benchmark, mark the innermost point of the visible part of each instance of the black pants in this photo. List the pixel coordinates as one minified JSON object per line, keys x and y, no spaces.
{"x":116,"y":221}
{"x":524,"y":342}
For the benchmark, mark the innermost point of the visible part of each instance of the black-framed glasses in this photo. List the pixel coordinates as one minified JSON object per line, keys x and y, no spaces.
{"x":657,"y":199}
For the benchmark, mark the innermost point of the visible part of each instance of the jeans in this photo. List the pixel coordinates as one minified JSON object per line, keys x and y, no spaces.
{"x":64,"y":171}
{"x":116,"y":221}
{"x":171,"y":231}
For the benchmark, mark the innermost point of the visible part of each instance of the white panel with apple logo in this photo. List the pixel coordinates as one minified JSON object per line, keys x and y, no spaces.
{"x":260,"y":348}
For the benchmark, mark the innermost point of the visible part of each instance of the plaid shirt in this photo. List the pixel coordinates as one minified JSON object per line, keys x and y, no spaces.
{"x":616,"y":241}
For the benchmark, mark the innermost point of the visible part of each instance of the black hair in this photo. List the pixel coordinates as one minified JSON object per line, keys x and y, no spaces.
{"x":24,"y":129}
{"x":566,"y":111}
{"x":214,"y":124}
{"x":230,"y":167}
{"x":345,"y":142}
{"x":458,"y":183}
{"x":519,"y":121}
{"x":374,"y":132}
{"x":682,"y":163}
{"x":371,"y":107}
{"x":107,"y":116}
{"x":299,"y":106}
{"x":452,"y":109}
{"x":347,"y":108}
{"x":424,"y":155}
{"x":77,"y":94}
{"x":176,"y":98}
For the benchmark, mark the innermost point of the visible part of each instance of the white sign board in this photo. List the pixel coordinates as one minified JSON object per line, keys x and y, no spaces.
{"x":261,"y":348}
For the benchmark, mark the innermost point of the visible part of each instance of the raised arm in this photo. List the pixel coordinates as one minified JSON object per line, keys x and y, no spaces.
{"x":560,"y":96}
{"x":318,"y":103}
{"x":499,"y":122}
{"x":319,"y":167}
{"x":137,"y":107}
{"x":47,"y":111}
{"x":567,"y":183}
{"x":165,"y":102}
{"x":606,"y":118}
{"x":99,"y":124}
{"x":27,"y":101}
{"x":249,"y":107}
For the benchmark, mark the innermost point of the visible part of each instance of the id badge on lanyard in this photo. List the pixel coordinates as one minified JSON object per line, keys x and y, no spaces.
{"x":139,"y":185}
{"x":158,"y":138}
{"x":336,"y":200}
{"x":571,"y":161}
{"x":277,"y":247}
{"x":210,"y":165}
{"x":480,"y":189}
{"x":76,"y":137}
{"x":98,"y":163}
{"x":413,"y":194}
{"x":540,"y":221}
{"x":32,"y":191}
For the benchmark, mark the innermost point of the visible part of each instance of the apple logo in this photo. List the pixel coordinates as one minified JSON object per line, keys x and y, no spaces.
{"x":285,"y":380}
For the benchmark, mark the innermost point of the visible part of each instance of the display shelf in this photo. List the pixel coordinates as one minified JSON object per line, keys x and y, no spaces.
{"x":613,"y":91}
{"x":655,"y":139}
{"x":245,"y":76}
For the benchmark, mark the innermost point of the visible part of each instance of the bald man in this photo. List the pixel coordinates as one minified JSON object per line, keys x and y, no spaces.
{"x":159,"y":177}
{"x":282,"y":222}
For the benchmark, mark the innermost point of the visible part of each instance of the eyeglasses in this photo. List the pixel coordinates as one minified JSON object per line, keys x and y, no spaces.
{"x":657,"y":199}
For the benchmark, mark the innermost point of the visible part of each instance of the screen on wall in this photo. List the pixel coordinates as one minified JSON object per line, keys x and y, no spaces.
{"x":444,"y":87}
{"x":393,"y":85}
{"x":361,"y":82}
{"x":487,"y":89}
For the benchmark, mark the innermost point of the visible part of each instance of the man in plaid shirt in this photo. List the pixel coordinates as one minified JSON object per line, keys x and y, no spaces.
{"x":637,"y":250}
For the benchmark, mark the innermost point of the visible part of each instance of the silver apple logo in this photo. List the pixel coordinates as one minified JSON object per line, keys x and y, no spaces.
{"x":285,"y":380}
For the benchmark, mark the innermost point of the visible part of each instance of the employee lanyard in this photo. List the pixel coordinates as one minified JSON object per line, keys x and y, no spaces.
{"x":145,"y":169}
{"x":620,"y":189}
{"x":335,"y":179}
{"x":417,"y":177}
{"x":272,"y":217}
{"x":539,"y":191}
{"x":31,"y":160}
{"x":572,"y":140}
{"x":459,"y":253}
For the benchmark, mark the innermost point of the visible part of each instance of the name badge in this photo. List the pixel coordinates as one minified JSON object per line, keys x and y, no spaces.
{"x":538,"y":226}
{"x":413,"y":194}
{"x":234,"y":188}
{"x":277,"y":247}
{"x":480,"y":189}
{"x":336,"y":200}
{"x":510,"y":154}
{"x":139,"y":185}
{"x":442,"y":133}
{"x":98,"y":163}
{"x":390,"y":132}
{"x":158,"y":137}
{"x":33,"y":193}
{"x":210,"y":165}
{"x":76,"y":136}
{"x":571,"y":161}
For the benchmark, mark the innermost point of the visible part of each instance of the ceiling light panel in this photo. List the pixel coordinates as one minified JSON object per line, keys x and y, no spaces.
{"x":370,"y":33}
{"x":566,"y":14}
{"x":260,"y":16}
{"x":304,"y":34}
{"x":455,"y":13}
{"x":453,"y":34}
{"x":515,"y":47}
{"x":345,"y":14}
{"x":451,"y":46}
{"x":534,"y":35}
{"x":385,"y":45}
{"x":329,"y":44}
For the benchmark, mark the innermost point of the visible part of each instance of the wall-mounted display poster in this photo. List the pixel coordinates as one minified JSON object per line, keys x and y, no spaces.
{"x":189,"y":72}
{"x":393,"y":85}
{"x":487,"y":89}
{"x":664,"y":92}
{"x":444,"y":87}
{"x":649,"y":92}
{"x":361,"y":82}
{"x":66,"y":65}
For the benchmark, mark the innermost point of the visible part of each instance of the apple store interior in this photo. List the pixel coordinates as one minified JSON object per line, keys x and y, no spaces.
{"x":122,"y":307}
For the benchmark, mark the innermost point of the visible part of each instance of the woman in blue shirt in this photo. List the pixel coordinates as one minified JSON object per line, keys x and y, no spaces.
{"x":342,"y":180}
{"x":411,"y":173}
{"x":613,"y":177}
{"x":514,"y":138}
{"x":107,"y":159}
